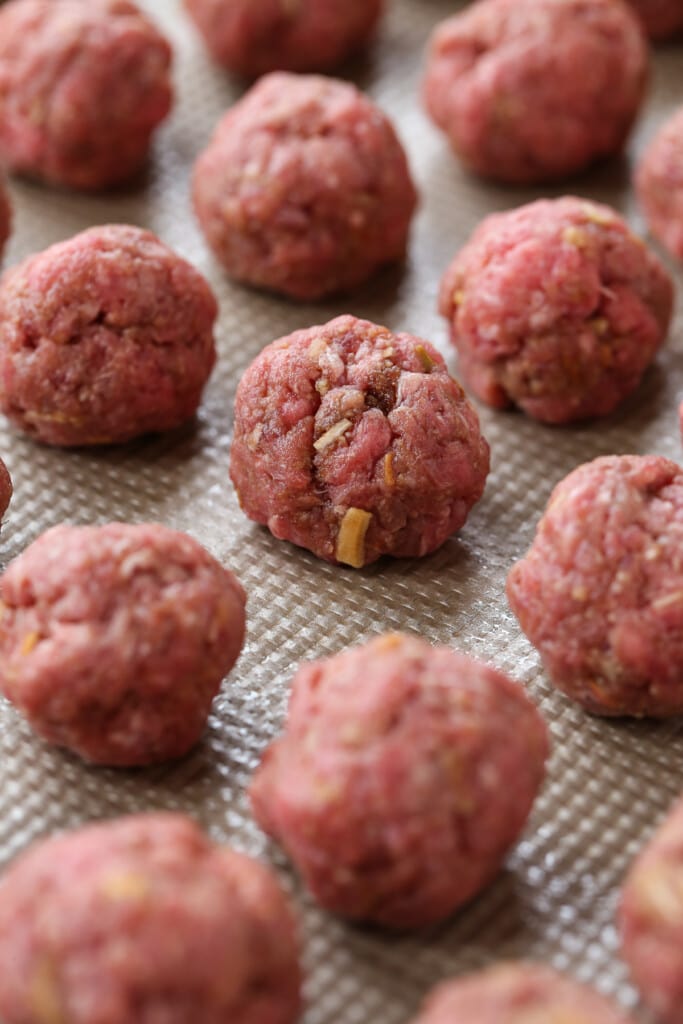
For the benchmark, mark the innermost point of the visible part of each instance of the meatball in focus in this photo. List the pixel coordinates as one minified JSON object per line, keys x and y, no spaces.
{"x":355,"y":443}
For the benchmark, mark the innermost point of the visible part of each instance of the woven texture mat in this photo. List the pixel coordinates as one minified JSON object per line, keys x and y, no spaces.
{"x":609,"y":782}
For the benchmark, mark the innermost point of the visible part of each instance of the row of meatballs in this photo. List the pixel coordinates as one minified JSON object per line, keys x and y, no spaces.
{"x":391,"y":791}
{"x":305,"y":189}
{"x":146,"y":919}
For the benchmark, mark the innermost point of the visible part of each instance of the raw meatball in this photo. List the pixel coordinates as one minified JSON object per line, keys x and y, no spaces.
{"x":661,"y":18}
{"x":304,"y":188}
{"x":104,"y":337}
{"x":5,"y":488}
{"x":256,"y":36}
{"x":82,"y":88}
{"x":651,"y":919}
{"x":517,"y":993}
{"x":5,"y":217}
{"x":355,"y":443}
{"x":532,"y":90}
{"x":390,"y":786}
{"x":144,"y":919}
{"x":600,"y":592}
{"x":114,"y":639}
{"x":557,"y":308}
{"x":659,"y":184}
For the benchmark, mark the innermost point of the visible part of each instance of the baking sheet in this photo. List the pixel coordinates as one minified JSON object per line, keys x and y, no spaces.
{"x":609,"y":782}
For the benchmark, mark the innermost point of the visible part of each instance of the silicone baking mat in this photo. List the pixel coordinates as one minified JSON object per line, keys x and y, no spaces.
{"x":609,"y":781}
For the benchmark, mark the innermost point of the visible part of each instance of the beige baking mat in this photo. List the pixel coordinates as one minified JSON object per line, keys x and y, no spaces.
{"x":609,"y":782}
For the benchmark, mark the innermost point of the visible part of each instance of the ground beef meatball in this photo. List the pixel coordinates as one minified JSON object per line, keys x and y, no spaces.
{"x":557,"y":308}
{"x":517,"y":993}
{"x":253,"y":37}
{"x":532,"y":90}
{"x":304,"y":188}
{"x":5,"y":217}
{"x":144,"y":919}
{"x":82,"y":88}
{"x":103,"y":338}
{"x":661,"y":18}
{"x":659,"y":184}
{"x":600,"y":592}
{"x":114,"y":639}
{"x":5,"y":488}
{"x":390,"y":788}
{"x":355,"y":442}
{"x":651,"y":920}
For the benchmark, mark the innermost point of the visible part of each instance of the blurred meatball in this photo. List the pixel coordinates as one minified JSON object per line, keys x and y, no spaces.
{"x":533,"y":90}
{"x":82,"y":88}
{"x":145,"y":919}
{"x":557,"y":308}
{"x":304,"y":188}
{"x":517,"y":993}
{"x":390,"y":786}
{"x":659,"y":184}
{"x":355,"y":442}
{"x":104,"y":337}
{"x":114,"y":639}
{"x":651,"y":919}
{"x":600,"y":591}
{"x":253,"y":37}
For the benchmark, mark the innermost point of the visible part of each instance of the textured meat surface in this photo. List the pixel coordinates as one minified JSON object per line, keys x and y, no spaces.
{"x":557,"y":308}
{"x":600,"y":592}
{"x":532,"y":90}
{"x":518,"y":993}
{"x":662,"y":18}
{"x":104,"y":337}
{"x":390,"y":788}
{"x":5,"y":217}
{"x":82,"y":88}
{"x":292,"y":35}
{"x":304,"y":188}
{"x":659,"y":184}
{"x":143,"y":919}
{"x":651,"y":919}
{"x":355,"y":442}
{"x":114,"y":639}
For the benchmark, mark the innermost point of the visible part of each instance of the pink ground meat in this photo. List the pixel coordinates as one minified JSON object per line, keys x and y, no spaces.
{"x":5,"y":488}
{"x":144,"y":919}
{"x":659,"y":184}
{"x":294,"y":35}
{"x":517,"y":993}
{"x":556,"y":307}
{"x":104,"y":337}
{"x":390,"y":786}
{"x":651,"y":919}
{"x":114,"y":639}
{"x":304,"y":188}
{"x":355,"y":442}
{"x":82,"y":88}
{"x":661,"y":18}
{"x":600,"y":592}
{"x":5,"y":217}
{"x":532,"y":90}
